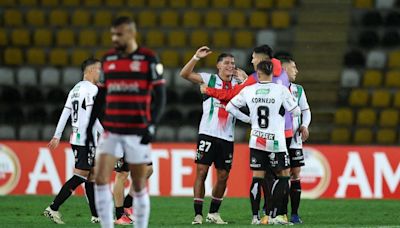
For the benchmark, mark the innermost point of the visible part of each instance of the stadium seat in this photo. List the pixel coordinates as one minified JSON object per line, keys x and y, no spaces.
{"x":368,"y":39}
{"x":386,"y":136}
{"x":7,"y":132}
{"x":258,"y":20}
{"x":240,"y":55}
{"x":199,"y":4}
{"x":242,"y":5}
{"x":165,"y":134}
{"x":29,"y":132}
{"x":71,"y":76}
{"x":169,"y":19}
{"x":36,"y":56}
{"x":263,"y":4}
{"x":363,"y":136}
{"x":191,"y":19}
{"x":391,"y":39}
{"x":380,"y":98}
{"x":285,"y":4}
{"x":372,"y":19}
{"x":389,"y":118}
{"x":8,"y":3}
{"x":354,"y":58}
{"x":178,"y":3}
{"x":125,"y":13}
{"x":33,"y":95}
{"x":384,"y":4}
{"x":13,"y":56}
{"x":29,"y":3}
{"x":135,"y":3}
{"x":220,"y":3}
{"x":350,"y":78}
{"x":187,"y":134}
{"x":392,"y":19}
{"x":49,"y":76}
{"x":236,"y":19}
{"x":42,"y":38}
{"x":87,"y":38}
{"x":244,"y":39}
{"x":213,"y":19}
{"x":58,"y":18}
{"x":56,"y":95}
{"x":155,"y":38}
{"x":78,"y":56}
{"x":394,"y":59}
{"x":65,"y":38}
{"x":363,"y":4}
{"x":211,"y":60}
{"x":36,"y":114}
{"x":20,"y":37}
{"x":105,"y":39}
{"x":147,"y":19}
{"x":198,"y":38}
{"x":27,"y":76}
{"x":372,"y":78}
{"x":366,"y":117}
{"x":396,"y":100}
{"x":340,"y":136}
{"x":7,"y":76}
{"x":80,"y":18}
{"x":35,"y":18}
{"x":280,"y":19}
{"x":115,"y":3}
{"x":15,"y":115}
{"x":50,"y":3}
{"x":13,"y":18}
{"x":58,"y":57}
{"x":99,"y":54}
{"x":92,"y":3}
{"x":376,"y":59}
{"x":70,"y":3}
{"x":392,"y":79}
{"x":221,"y":39}
{"x":48,"y":132}
{"x":157,"y":3}
{"x":3,"y":37}
{"x":358,"y":98}
{"x":102,"y":18}
{"x":266,"y":37}
{"x":170,"y":58}
{"x":344,"y":117}
{"x":177,"y":38}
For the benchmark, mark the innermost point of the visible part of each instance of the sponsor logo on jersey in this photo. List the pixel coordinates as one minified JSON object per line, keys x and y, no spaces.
{"x":111,"y":66}
{"x":123,"y":87}
{"x":110,"y":58}
{"x":138,"y":57}
{"x":262,"y":91}
{"x":10,"y":170}
{"x":264,"y":135}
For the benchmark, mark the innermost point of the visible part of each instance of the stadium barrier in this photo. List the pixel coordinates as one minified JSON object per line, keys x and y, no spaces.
{"x":331,"y":171}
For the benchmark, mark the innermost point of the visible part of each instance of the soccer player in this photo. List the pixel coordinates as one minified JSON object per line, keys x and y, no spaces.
{"x":131,"y":74}
{"x":300,"y":129}
{"x":78,"y":107}
{"x":267,"y":103}
{"x":216,"y":134}
{"x":261,"y":53}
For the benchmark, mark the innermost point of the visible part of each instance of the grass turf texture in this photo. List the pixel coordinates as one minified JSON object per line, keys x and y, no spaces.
{"x":26,"y":211}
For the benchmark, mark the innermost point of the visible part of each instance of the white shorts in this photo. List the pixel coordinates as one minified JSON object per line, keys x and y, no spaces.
{"x":129,"y":145}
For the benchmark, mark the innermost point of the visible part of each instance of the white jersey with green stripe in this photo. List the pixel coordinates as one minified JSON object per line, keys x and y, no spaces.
{"x":216,"y":121}
{"x":301,"y":99}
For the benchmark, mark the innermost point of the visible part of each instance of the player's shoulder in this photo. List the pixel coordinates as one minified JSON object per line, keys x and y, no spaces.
{"x":146,"y":51}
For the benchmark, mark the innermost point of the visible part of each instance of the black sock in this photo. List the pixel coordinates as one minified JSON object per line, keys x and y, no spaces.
{"x":89,"y":189}
{"x":255,"y":194}
{"x":279,"y":192}
{"x":295,"y":193}
{"x":119,"y":211}
{"x":269,"y":181}
{"x":198,"y":206}
{"x":66,"y":191}
{"x":215,"y":204}
{"x":128,"y":201}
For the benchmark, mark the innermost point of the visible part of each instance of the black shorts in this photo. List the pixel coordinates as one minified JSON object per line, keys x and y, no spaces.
{"x":264,"y":160}
{"x":214,"y":150}
{"x":296,"y":157}
{"x":84,"y":159}
{"x":288,"y":142}
{"x":122,"y":166}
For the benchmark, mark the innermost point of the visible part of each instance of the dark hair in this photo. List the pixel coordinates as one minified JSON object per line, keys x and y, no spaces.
{"x":223,"y":55}
{"x":264,"y":49}
{"x":286,"y":59}
{"x":88,"y":62}
{"x":121,"y":20}
{"x":266,"y":67}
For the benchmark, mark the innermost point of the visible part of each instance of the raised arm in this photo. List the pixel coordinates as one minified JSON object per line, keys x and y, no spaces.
{"x":234,"y":106}
{"x":187,"y":71}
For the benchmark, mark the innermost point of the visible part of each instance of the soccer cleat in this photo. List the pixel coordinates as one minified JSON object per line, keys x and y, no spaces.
{"x":215,"y":218}
{"x":264,"y":220}
{"x":295,"y":219}
{"x":55,"y":216}
{"x":279,"y":220}
{"x":95,"y":219}
{"x":124,"y":220}
{"x":255,"y":220}
{"x":198,"y":219}
{"x":129,"y":213}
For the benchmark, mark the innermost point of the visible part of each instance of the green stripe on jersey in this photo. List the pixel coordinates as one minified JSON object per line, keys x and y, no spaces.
{"x":211,"y":84}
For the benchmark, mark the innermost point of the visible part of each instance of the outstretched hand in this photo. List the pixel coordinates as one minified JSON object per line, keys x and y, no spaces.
{"x":203,"y":52}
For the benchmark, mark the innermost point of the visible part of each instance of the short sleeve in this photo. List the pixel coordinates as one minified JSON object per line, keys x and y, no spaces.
{"x":289,"y":102}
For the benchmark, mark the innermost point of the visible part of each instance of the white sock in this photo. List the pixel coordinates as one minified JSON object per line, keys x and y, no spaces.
{"x":104,"y":205}
{"x":142,"y":208}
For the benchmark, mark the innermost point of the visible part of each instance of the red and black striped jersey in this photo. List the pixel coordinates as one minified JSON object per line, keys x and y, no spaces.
{"x":129,"y":80}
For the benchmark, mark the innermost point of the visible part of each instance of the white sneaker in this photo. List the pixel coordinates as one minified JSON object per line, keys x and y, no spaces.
{"x":255,"y":220}
{"x":55,"y":216}
{"x":198,"y":219}
{"x":279,"y":220}
{"x":95,"y":219}
{"x":215,"y":218}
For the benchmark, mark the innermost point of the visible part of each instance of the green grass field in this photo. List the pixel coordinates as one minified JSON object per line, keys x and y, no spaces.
{"x":26,"y":211}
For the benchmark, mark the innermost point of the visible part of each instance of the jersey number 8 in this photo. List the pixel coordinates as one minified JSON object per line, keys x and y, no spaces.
{"x":263,"y":113}
{"x":75,"y":106}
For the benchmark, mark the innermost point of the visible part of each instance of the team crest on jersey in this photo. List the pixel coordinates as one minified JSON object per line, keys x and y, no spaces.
{"x":271,"y":156}
{"x":295,"y":93}
{"x":253,"y":160}
{"x":199,"y":155}
{"x":135,"y":66}
{"x":262,"y":91}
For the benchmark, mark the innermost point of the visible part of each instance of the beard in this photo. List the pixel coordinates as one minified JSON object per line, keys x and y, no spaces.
{"x":120,"y":47}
